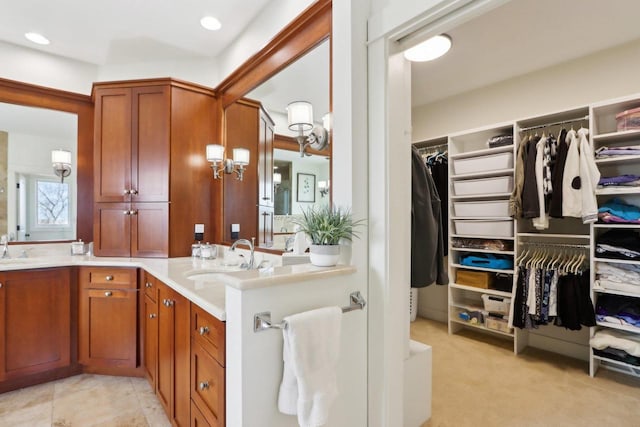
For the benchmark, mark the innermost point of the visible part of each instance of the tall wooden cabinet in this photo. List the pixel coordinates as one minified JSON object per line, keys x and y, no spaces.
{"x":35,"y":322}
{"x":248,"y":125}
{"x":152,"y":182}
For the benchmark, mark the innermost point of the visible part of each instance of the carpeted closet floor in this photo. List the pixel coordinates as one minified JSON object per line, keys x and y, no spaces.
{"x":478,"y":381}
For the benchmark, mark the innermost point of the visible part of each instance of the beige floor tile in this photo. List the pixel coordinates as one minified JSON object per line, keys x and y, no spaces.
{"x":34,"y":415}
{"x":26,"y":398}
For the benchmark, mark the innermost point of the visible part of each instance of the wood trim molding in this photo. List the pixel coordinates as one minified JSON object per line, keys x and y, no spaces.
{"x":308,"y":30}
{"x":19,"y":93}
{"x":283,"y":142}
{"x":193,"y":87}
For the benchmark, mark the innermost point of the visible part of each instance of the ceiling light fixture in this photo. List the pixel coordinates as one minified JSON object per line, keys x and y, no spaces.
{"x":37,"y":38}
{"x":430,"y":49}
{"x":210,"y":23}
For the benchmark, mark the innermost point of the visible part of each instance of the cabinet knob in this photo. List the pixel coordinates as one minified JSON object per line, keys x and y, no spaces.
{"x":203,"y":385}
{"x":148,"y":285}
{"x":108,"y":294}
{"x":125,"y":212}
{"x":203,"y":330}
{"x":0,"y":285}
{"x":133,"y":191}
{"x":133,"y":212}
{"x":109,"y":278}
{"x":125,"y":192}
{"x":168,"y":302}
{"x":266,"y":198}
{"x":152,"y":316}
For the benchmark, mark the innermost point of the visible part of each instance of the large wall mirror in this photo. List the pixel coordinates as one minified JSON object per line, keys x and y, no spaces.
{"x":35,"y":204}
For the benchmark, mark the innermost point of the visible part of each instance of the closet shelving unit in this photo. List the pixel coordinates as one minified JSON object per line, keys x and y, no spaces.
{"x":604,"y":133}
{"x":561,"y":231}
{"x":472,"y":145}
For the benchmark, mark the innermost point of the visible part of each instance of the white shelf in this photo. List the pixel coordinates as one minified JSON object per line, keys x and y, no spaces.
{"x":616,"y":225}
{"x":625,"y":328}
{"x":616,"y":365}
{"x":480,"y":326}
{"x":467,"y":236}
{"x":493,"y":270}
{"x":483,"y":152}
{"x":483,"y":251}
{"x":618,"y":261}
{"x":483,"y":218}
{"x":470,"y":306}
{"x":627,"y":135}
{"x":618,"y":160}
{"x":555,"y":236}
{"x":481,"y":196}
{"x":497,"y":172}
{"x":481,"y":290}
{"x":612,"y":191}
{"x":615,"y":292}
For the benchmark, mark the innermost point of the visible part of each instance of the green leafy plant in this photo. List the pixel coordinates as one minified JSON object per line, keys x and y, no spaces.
{"x":327,"y":225}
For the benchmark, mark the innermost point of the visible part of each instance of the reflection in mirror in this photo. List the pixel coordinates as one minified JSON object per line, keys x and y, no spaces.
{"x":34,"y":204}
{"x":306,"y":79}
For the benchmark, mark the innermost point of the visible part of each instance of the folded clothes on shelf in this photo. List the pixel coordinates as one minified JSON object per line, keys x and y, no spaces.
{"x":618,"y":310}
{"x":619,"y":355}
{"x":618,"y":244}
{"x":500,"y":140}
{"x":488,"y":244}
{"x":620,"y":210}
{"x":607,"y":152}
{"x":487,"y":261}
{"x":618,"y":277}
{"x":627,"y":180}
{"x":629,"y":343}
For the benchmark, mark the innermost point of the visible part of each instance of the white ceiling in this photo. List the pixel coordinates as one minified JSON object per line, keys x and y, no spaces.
{"x":123,"y":31}
{"x":520,"y":37}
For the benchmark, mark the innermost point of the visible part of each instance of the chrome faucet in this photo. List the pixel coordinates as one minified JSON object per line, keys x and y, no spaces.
{"x":247,"y":265}
{"x":4,"y":241}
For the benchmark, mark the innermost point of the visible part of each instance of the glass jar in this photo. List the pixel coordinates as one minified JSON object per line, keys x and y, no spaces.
{"x":195,"y":250}
{"x":208,"y":251}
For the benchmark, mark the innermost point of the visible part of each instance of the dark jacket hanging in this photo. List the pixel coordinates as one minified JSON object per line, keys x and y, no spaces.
{"x":427,"y":259}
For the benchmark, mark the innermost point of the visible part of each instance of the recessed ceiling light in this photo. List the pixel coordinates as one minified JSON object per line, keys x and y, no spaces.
{"x":37,"y":38}
{"x":210,"y":23}
{"x":429,"y":49}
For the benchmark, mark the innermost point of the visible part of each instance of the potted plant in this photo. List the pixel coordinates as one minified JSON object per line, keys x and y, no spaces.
{"x":325,"y":227}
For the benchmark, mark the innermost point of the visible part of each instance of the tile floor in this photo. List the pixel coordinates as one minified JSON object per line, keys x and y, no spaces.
{"x":83,"y":401}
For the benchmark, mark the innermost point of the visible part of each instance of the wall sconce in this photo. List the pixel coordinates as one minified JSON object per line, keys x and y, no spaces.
{"x":215,"y":155}
{"x":61,"y":160}
{"x":300,"y":119}
{"x":323,"y":187}
{"x":277,"y":180}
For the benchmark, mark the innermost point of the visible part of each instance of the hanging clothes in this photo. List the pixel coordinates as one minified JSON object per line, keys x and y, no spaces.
{"x":571,"y":181}
{"x":541,"y":222}
{"x":427,"y":244}
{"x":530,"y":204}
{"x":515,"y":201}
{"x":555,"y":205}
{"x":440,"y":173}
{"x":589,"y":177}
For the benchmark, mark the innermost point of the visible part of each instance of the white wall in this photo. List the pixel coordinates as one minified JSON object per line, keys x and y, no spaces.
{"x":603,"y":75}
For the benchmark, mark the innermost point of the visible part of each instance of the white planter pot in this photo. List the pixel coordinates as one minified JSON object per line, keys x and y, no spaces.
{"x":324,"y":255}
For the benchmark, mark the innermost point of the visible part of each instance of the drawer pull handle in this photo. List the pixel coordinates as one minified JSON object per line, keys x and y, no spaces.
{"x":204,"y":385}
{"x":125,"y":192}
{"x":167,"y":303}
{"x":108,"y":294}
{"x":148,"y":285}
{"x":152,"y":316}
{"x":203,"y":330}
{"x":109,"y":278}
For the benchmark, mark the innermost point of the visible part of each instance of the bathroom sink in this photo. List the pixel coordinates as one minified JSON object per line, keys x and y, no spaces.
{"x":210,"y":275}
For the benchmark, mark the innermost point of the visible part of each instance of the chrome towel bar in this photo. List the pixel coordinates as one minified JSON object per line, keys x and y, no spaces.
{"x":262,"y":321}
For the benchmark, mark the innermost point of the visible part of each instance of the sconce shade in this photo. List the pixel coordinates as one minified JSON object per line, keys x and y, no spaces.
{"x":322,"y":185}
{"x":215,"y":152}
{"x":327,"y":122}
{"x":277,"y":178}
{"x":300,"y":116}
{"x":61,"y":156}
{"x":241,"y":156}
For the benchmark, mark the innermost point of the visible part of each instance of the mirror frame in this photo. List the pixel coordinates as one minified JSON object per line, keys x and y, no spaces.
{"x":14,"y":92}
{"x":309,"y":29}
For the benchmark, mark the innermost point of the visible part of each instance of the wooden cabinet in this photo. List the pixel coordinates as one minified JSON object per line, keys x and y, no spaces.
{"x":108,"y":319}
{"x":149,"y":190}
{"x":173,"y":354}
{"x":35,"y":322}
{"x":265,"y":226}
{"x":207,"y":367}
{"x":150,"y":343}
{"x":247,"y":125}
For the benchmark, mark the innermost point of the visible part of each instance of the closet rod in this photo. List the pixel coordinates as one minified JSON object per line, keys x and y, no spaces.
{"x":556,"y":245}
{"x":421,"y":150}
{"x":562,"y":122}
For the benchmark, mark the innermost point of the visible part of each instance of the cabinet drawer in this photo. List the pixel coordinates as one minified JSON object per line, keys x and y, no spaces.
{"x":197,"y":417}
{"x":209,"y":332}
{"x":207,"y":385}
{"x":108,"y":277}
{"x":150,"y":286}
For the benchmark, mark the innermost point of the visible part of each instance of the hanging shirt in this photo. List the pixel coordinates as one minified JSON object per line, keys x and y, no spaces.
{"x":541,"y":222}
{"x":530,"y":204}
{"x":571,"y":181}
{"x":589,"y":177}
{"x":555,"y":205}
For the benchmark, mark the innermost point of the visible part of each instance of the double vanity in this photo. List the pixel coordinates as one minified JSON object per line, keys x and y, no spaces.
{"x":166,"y":319}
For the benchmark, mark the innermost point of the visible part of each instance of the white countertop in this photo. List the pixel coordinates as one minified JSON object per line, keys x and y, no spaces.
{"x":208,"y":292}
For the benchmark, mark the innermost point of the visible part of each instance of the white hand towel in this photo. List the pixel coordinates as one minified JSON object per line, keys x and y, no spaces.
{"x":310,"y":352}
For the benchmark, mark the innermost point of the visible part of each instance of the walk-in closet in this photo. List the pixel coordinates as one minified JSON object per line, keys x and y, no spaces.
{"x":542,"y":154}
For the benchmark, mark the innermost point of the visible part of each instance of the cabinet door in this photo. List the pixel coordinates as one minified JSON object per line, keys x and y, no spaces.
{"x":112,"y":229}
{"x":173,"y":383}
{"x":35,"y":315}
{"x":150,"y":144}
{"x":149,"y":230}
{"x":265,"y":160}
{"x":112,"y":144}
{"x":151,"y":339}
{"x":108,"y":327}
{"x":265,"y":227}
{"x":207,"y":385}
{"x":197,"y":418}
